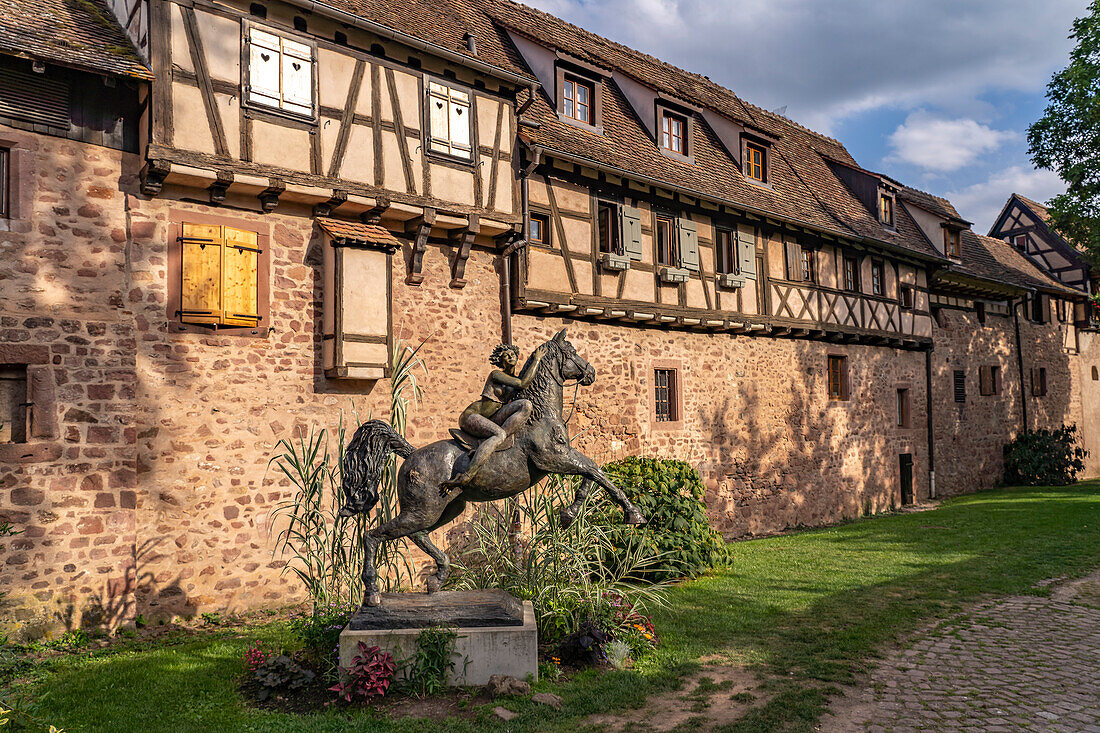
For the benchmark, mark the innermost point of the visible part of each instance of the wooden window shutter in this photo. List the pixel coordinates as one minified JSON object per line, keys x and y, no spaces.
{"x":438,"y":117}
{"x":746,"y":254}
{"x":985,"y":377}
{"x":34,"y":98}
{"x":460,"y":123}
{"x":794,"y":261}
{"x":40,"y":395}
{"x":297,"y":77}
{"x":264,"y":53}
{"x":241,"y":255}
{"x":200,"y":300}
{"x":630,"y":230}
{"x":689,"y":244}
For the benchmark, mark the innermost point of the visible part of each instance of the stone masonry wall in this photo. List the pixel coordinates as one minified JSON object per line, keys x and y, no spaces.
{"x":63,"y":283}
{"x":970,"y":435}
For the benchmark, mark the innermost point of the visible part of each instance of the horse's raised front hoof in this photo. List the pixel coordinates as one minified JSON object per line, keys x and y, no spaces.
{"x":566,"y":517}
{"x":373,"y":600}
{"x":634,"y":517}
{"x":434,"y":584}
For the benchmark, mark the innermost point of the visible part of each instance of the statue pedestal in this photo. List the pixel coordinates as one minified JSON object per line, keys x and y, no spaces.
{"x":496,"y":633}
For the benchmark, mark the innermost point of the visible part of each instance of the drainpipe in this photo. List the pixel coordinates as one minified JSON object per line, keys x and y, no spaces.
{"x":931,"y":431}
{"x":1020,"y":357}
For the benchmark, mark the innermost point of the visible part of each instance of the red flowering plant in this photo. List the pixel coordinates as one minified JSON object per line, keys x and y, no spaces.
{"x":369,"y":675}
{"x":255,"y":656}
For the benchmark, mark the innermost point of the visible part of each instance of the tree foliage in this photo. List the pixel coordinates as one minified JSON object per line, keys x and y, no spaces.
{"x":1066,"y":139}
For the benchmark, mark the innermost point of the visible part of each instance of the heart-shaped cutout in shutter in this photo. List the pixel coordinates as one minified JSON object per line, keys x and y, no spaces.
{"x":439,"y":105}
{"x":297,"y":66}
{"x":265,"y":56}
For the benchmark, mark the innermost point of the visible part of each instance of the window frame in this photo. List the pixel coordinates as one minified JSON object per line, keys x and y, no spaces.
{"x":1017,"y":244}
{"x":726,"y":261}
{"x":887,"y":204}
{"x":566,"y":70}
{"x":958,"y":386}
{"x":837,"y":382}
{"x":5,"y":182}
{"x":906,"y":296}
{"x":426,"y":122}
{"x":246,"y":72}
{"x":952,"y":243}
{"x":20,"y":415}
{"x":176,"y":219}
{"x":904,"y":408}
{"x":615,"y":238}
{"x":989,"y":381}
{"x":850,"y":266}
{"x":543,"y":220}
{"x":675,"y":390}
{"x":664,"y":114}
{"x":672,"y":237}
{"x":748,"y":166}
{"x":807,"y":264}
{"x":1039,"y":385}
{"x":878,"y":278}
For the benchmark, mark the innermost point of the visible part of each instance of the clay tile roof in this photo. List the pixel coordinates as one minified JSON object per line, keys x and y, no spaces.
{"x":1039,"y":210}
{"x":77,"y":33}
{"x":993,"y":259}
{"x":935,"y":204}
{"x":372,"y":234}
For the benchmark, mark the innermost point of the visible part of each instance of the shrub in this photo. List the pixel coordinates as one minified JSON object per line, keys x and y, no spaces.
{"x":670,"y":495}
{"x":255,"y":657}
{"x":1044,"y":457}
{"x":281,"y":674}
{"x":427,"y":671}
{"x":585,"y":646}
{"x":563,"y":572}
{"x":369,"y":675}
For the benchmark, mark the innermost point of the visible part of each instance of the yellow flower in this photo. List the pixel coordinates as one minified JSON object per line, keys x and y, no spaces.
{"x":649,"y":636}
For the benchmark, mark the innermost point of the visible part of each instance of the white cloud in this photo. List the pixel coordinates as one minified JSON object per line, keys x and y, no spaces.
{"x":982,"y":202}
{"x":942,"y":145}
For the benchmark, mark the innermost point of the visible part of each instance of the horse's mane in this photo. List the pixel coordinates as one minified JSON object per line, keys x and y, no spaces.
{"x":540,"y":392}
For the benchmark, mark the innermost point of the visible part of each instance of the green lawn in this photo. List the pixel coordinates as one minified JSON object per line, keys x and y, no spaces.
{"x":808,"y":611}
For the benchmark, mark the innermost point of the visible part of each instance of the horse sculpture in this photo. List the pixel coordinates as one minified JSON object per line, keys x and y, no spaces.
{"x":539,"y":447}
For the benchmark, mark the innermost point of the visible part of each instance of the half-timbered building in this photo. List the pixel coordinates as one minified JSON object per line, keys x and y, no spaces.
{"x":292,"y":188}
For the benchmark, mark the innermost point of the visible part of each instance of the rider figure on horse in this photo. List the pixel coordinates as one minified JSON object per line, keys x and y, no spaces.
{"x":493,"y":417}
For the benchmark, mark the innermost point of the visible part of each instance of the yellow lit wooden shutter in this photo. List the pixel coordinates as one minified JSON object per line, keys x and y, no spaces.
{"x":240,"y":258}
{"x":202,"y":274}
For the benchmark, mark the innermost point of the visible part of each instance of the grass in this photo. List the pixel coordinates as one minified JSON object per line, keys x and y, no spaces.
{"x":808,"y":611}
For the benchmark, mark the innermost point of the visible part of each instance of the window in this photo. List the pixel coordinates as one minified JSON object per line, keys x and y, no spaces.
{"x":989,"y":378}
{"x":1060,"y":309}
{"x":5,"y":183}
{"x":979,"y":309}
{"x":1020,"y":242}
{"x":540,"y":230}
{"x":1095,"y":374}
{"x":952,"y":242}
{"x":577,"y":99}
{"x":673,"y":132}
{"x":666,"y":242}
{"x":756,"y":162}
{"x":960,"y":385}
{"x":449,"y":121}
{"x":878,"y":278}
{"x":1039,"y":382}
{"x":904,"y":408}
{"x":905,"y":296}
{"x":1040,"y":308}
{"x":806,"y":264}
{"x":13,"y":403}
{"x":608,"y":230}
{"x":279,"y":73}
{"x":727,"y":252}
{"x":851,"y":274}
{"x":761,"y":288}
{"x":886,"y":209}
{"x":219,"y":276}
{"x":664,"y":393}
{"x":838,"y":378}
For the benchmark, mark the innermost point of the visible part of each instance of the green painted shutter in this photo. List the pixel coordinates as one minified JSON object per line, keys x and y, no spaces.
{"x":746,"y":255}
{"x":794,"y":264}
{"x":630,"y":231}
{"x":689,"y":244}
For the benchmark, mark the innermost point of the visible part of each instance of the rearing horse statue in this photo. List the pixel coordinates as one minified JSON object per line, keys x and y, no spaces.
{"x":539,"y":447}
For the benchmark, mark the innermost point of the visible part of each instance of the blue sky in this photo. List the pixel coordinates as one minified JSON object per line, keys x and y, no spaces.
{"x":937,"y":93}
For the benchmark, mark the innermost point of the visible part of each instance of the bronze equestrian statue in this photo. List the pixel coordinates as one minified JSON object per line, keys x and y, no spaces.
{"x":435,"y":482}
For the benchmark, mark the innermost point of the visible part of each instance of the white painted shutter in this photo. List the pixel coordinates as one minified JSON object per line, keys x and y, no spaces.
{"x":439,"y":117}
{"x":630,"y":231}
{"x":460,"y":123}
{"x":746,"y":255}
{"x":263,"y":68}
{"x":689,"y":245}
{"x":297,"y":77}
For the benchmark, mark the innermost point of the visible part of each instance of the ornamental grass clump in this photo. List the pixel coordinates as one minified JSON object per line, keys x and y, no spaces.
{"x":564,"y":572}
{"x":670,"y":495}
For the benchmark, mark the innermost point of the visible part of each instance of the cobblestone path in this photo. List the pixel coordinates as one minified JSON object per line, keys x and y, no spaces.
{"x":1019,"y":663}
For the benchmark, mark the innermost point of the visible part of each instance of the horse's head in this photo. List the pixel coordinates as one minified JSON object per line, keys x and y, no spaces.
{"x":570,"y":364}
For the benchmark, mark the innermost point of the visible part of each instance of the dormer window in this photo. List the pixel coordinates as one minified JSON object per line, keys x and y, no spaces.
{"x":886,"y":209}
{"x":756,"y":162}
{"x":577,"y":96}
{"x":673,"y":132}
{"x":952,"y":243}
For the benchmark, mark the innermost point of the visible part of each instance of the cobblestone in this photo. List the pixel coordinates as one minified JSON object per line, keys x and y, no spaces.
{"x":1019,"y":663}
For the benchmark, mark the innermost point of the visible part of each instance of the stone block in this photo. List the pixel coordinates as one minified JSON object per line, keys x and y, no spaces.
{"x":496,"y":634}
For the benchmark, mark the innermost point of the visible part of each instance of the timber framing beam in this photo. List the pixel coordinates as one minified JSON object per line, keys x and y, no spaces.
{"x":418,"y":229}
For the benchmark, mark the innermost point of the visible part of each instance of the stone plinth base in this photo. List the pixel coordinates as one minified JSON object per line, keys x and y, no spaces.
{"x":496,"y":633}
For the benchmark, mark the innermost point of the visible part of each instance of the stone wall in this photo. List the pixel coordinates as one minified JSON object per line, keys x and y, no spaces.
{"x":970,"y":435}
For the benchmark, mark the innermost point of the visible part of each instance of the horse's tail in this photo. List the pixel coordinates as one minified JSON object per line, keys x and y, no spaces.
{"x":364,"y":460}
